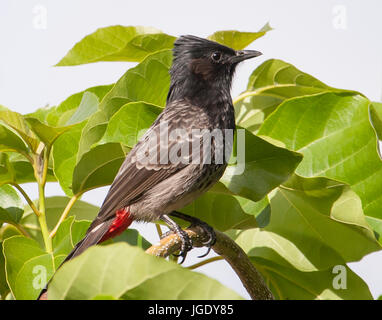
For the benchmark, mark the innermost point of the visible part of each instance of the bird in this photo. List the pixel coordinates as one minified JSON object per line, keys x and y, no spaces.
{"x":157,"y":179}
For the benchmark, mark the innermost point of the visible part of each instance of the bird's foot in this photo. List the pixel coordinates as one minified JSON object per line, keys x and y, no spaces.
{"x":199,"y":223}
{"x":186,"y":245}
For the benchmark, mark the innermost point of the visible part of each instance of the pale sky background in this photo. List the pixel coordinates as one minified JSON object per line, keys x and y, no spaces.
{"x":337,"y":41}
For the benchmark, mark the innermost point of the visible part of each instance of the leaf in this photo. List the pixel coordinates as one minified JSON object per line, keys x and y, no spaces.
{"x":97,"y":167}
{"x":16,"y":122}
{"x":316,"y":225}
{"x":238,"y":40}
{"x":4,"y":289}
{"x":64,"y":156}
{"x":222,"y":212}
{"x":41,"y":113}
{"x":117,"y":43}
{"x":10,"y":141}
{"x":88,"y":106}
{"x":68,"y":235}
{"x":265,"y":166}
{"x":376,"y":118}
{"x":27,"y":266}
{"x":8,"y":230}
{"x":129,"y":123}
{"x":340,"y":144}
{"x":64,"y":112}
{"x":55,"y":206}
{"x":14,"y":168}
{"x":7,"y":174}
{"x":47,"y":134}
{"x":270,"y":84}
{"x":124,"y":272}
{"x":147,"y":82}
{"x":143,"y":45}
{"x":311,"y":227}
{"x":376,"y":225}
{"x":291,"y":284}
{"x":11,"y":206}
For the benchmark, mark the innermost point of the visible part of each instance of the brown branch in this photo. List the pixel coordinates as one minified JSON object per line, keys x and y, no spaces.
{"x":226,"y":248}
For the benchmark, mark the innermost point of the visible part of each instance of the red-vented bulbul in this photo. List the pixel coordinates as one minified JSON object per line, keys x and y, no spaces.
{"x":157,"y":179}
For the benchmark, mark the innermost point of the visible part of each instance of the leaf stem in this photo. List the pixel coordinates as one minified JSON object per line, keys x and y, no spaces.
{"x":41,"y":170}
{"x":159,"y":230}
{"x":42,"y":219}
{"x":64,"y":214}
{"x":21,"y":229}
{"x":204,"y":262}
{"x":26,"y":197}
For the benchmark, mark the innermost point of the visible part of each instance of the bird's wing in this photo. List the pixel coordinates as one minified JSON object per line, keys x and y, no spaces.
{"x":146,"y":164}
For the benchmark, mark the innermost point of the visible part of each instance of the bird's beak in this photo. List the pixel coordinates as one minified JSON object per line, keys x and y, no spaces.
{"x":242,"y":55}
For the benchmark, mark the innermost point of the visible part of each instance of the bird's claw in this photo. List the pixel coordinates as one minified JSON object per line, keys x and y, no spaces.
{"x":211,"y":236}
{"x":186,"y":244}
{"x":186,"y":241}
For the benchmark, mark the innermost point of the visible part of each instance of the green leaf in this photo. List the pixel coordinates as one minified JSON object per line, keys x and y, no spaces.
{"x":315,"y":224}
{"x":265,"y":166}
{"x":14,"y":168}
{"x":46,"y":133}
{"x":69,"y":233}
{"x":7,"y":174}
{"x":55,"y":206}
{"x":221,"y":211}
{"x":376,"y":118}
{"x":88,"y":106}
{"x":117,"y":43}
{"x":63,"y":113}
{"x":11,"y":206}
{"x":129,"y":123}
{"x":15,"y":121}
{"x":64,"y":156}
{"x":8,"y":230}
{"x":132,"y":237}
{"x":40,"y":114}
{"x":291,"y":284}
{"x":97,"y":167}
{"x":125,"y":272}
{"x":270,"y":84}
{"x":147,"y":82}
{"x":9,"y":141}
{"x":4,"y":289}
{"x":376,"y":225}
{"x":27,"y":267}
{"x":238,"y":40}
{"x":340,"y":144}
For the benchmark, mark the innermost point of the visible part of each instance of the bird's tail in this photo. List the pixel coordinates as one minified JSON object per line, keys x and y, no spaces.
{"x":94,"y":235}
{"x":98,"y":231}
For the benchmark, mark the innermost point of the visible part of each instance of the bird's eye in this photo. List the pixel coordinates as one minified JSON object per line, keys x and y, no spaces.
{"x":216,"y":56}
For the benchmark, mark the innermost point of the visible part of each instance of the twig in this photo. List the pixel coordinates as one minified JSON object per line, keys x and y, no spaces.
{"x":21,"y":229}
{"x":204,"y":262}
{"x":64,"y":214}
{"x":26,"y":197}
{"x":225,"y":247}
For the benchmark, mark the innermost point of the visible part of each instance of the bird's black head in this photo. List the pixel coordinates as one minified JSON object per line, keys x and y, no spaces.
{"x":203,"y":67}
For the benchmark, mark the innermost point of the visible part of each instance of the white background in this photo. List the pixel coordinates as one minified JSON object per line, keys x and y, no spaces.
{"x":337,"y":41}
